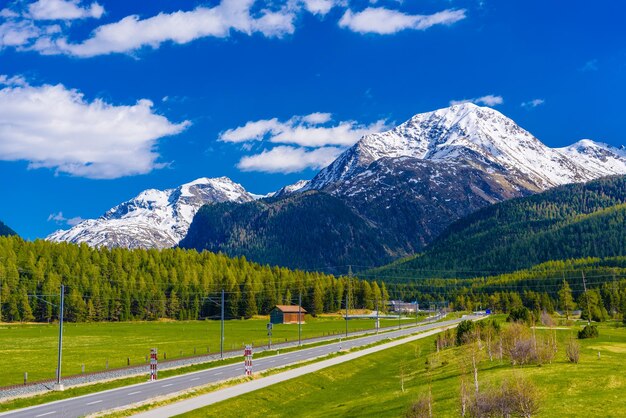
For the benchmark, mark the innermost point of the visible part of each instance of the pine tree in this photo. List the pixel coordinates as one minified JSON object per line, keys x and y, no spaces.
{"x":249,"y":299}
{"x":566,"y":301}
{"x":317,"y":307}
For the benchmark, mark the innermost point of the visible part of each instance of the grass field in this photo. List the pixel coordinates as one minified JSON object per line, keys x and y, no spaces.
{"x":32,"y":348}
{"x":370,"y":386}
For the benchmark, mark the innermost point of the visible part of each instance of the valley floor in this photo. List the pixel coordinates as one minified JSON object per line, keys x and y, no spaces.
{"x":372,"y":386}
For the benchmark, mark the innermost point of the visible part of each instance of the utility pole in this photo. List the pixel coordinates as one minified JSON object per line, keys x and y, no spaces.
{"x":399,"y":311}
{"x":59,"y":386}
{"x":377,"y":317}
{"x":587,"y":299}
{"x":300,"y":318}
{"x":222,"y":329}
{"x":347,"y":296}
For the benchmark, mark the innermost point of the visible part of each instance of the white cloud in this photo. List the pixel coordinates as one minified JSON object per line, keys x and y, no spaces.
{"x":15,"y":80}
{"x":533,"y":103}
{"x":16,"y":33}
{"x":60,"y":219}
{"x":287,"y":159}
{"x":303,"y":131}
{"x":64,"y":10}
{"x":382,"y":21}
{"x":488,"y":100}
{"x":320,"y":7}
{"x":51,"y":126}
{"x":251,"y":131}
{"x":132,"y":33}
{"x":317,"y":118}
{"x":317,"y":141}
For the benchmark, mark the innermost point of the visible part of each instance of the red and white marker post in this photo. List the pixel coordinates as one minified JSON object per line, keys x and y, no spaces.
{"x":248,"y":360}
{"x":153,"y":364}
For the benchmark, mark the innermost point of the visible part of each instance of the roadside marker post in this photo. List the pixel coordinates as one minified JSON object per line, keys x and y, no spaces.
{"x":153,"y":364}
{"x":248,"y":360}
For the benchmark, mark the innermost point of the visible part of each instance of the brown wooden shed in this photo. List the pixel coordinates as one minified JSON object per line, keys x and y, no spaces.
{"x":286,"y":314}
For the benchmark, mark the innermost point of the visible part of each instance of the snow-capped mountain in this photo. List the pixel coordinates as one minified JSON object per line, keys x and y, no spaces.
{"x":478,"y":136}
{"x":291,"y":188}
{"x":154,"y":218}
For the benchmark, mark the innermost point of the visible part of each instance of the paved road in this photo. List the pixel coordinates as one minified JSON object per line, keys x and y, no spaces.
{"x":224,"y":394}
{"x":121,"y":397}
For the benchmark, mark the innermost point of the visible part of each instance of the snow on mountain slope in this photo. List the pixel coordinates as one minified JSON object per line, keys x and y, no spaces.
{"x":597,"y":156}
{"x":478,"y":136}
{"x":291,"y":188}
{"x":154,"y":218}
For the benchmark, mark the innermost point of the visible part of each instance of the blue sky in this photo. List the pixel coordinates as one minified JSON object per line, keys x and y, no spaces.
{"x":100,"y":100}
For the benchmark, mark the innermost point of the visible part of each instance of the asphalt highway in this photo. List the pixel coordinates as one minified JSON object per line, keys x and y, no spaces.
{"x":128,"y":395}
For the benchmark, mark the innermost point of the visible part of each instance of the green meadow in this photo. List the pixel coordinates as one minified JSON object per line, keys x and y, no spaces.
{"x":371,"y":386}
{"x":32,"y":348}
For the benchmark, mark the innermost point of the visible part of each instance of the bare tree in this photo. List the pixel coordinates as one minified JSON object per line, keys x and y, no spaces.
{"x":525,"y":397}
{"x":421,"y":408}
{"x":572,"y":349}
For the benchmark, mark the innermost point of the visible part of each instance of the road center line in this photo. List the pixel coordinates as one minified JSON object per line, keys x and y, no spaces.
{"x":94,"y":402}
{"x":47,"y":413}
{"x":133,"y":393}
{"x":218,"y":373}
{"x":195,"y":378}
{"x":168,"y":385}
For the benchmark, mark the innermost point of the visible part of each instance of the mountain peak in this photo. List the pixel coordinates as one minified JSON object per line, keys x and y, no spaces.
{"x":154,"y":218}
{"x":478,"y":136}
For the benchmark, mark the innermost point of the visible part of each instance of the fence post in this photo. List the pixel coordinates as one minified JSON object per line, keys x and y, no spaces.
{"x":25,"y":377}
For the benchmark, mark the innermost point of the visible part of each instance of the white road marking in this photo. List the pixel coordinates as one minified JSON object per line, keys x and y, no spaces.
{"x":218,"y":373}
{"x":168,"y":385}
{"x":134,"y":393}
{"x":94,"y":402}
{"x":272,"y":361}
{"x":47,"y":413}
{"x":195,"y":378}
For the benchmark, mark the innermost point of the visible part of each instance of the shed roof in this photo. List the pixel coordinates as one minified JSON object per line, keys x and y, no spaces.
{"x":290,"y":308}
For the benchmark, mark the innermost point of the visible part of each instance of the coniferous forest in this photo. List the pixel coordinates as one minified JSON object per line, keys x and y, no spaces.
{"x":121,"y":285}
{"x":567,"y":222}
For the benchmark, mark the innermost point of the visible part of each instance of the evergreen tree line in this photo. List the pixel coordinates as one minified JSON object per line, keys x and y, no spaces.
{"x":555,"y":285}
{"x":122,"y":285}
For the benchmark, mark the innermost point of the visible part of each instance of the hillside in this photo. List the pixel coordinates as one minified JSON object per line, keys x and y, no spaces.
{"x":397,"y":191}
{"x":305,"y":231}
{"x":572,"y":221}
{"x":5,"y":230}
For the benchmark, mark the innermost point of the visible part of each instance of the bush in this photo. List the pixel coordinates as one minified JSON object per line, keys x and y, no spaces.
{"x":521,"y":314}
{"x":517,"y":397}
{"x":421,"y":408}
{"x":464,"y":331}
{"x":572,"y":349}
{"x":590,"y":331}
{"x":546,"y":319}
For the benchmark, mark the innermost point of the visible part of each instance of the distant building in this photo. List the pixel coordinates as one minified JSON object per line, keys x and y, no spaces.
{"x":399,"y":306}
{"x":286,"y":314}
